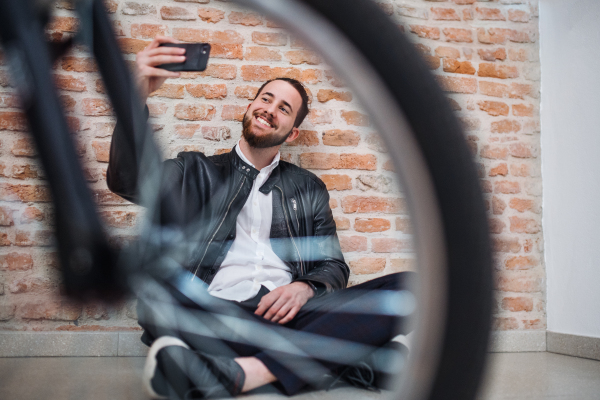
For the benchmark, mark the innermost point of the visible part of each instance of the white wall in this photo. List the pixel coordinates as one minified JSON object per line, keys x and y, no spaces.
{"x":570,"y":114}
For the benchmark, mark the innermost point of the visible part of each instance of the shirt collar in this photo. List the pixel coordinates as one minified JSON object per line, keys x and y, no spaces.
{"x":268,"y":168}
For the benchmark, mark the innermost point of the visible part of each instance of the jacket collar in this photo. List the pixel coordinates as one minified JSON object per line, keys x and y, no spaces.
{"x":251,"y":172}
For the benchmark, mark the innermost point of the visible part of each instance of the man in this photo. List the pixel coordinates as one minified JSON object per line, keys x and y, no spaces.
{"x":269,"y":255}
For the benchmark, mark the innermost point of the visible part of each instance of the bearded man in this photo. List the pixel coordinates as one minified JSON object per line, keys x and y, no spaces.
{"x":269,"y":255}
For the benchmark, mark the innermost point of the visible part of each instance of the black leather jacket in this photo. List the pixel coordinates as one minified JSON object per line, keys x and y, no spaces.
{"x":215,"y":188}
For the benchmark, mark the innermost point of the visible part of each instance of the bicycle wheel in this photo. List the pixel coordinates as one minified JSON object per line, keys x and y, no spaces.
{"x":438,"y":177}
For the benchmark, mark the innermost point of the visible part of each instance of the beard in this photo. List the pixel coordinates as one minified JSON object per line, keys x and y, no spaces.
{"x":263,"y":141}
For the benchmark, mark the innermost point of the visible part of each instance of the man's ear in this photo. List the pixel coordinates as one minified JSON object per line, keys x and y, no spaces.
{"x":293,"y":136}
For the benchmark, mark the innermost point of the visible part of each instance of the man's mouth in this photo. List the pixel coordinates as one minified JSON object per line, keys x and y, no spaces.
{"x":263,"y":122}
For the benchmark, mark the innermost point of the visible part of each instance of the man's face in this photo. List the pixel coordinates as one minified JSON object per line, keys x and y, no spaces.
{"x":269,"y":120}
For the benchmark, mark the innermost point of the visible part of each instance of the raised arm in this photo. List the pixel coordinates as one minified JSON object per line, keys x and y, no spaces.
{"x":123,"y":166}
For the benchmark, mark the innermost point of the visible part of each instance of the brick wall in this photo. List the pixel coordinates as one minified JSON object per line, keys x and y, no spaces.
{"x":484,"y":53}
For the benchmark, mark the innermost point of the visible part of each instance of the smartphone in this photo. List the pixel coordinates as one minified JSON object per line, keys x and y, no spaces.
{"x":196,"y":57}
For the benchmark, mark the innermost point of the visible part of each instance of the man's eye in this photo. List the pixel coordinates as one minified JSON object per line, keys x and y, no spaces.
{"x":285,"y":110}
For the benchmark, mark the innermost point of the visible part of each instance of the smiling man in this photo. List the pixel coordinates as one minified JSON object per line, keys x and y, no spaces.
{"x":269,"y":255}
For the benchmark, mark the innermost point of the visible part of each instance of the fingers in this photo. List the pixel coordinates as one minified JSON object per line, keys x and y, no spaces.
{"x":290,"y":315}
{"x":278,"y":310}
{"x":159,"y":60}
{"x":266,"y":302}
{"x":159,"y":39}
{"x":157,"y":72}
{"x":164,"y":50}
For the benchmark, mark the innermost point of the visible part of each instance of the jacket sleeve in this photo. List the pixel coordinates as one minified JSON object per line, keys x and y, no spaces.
{"x":123,"y":165}
{"x":330,"y":272}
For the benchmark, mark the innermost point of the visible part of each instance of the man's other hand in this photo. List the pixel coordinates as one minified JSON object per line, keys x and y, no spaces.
{"x":282,"y":304}
{"x":150,"y":78}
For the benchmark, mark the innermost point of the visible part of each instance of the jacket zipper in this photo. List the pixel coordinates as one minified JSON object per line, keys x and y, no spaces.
{"x":218,"y":227}
{"x":289,"y":229}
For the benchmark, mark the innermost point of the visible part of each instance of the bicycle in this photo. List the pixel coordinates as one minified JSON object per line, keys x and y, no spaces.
{"x":406,"y":106}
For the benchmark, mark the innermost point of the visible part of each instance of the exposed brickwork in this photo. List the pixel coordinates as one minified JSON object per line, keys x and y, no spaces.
{"x":483,"y":54}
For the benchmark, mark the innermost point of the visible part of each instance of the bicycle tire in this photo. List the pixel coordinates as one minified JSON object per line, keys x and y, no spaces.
{"x":386,"y":54}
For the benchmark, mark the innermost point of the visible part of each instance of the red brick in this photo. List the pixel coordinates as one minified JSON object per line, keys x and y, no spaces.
{"x":258,"y":53}
{"x":218,"y":91}
{"x":26,"y":193}
{"x":305,"y":138}
{"x":96,"y":107}
{"x":447,"y":52}
{"x":13,"y":121}
{"x":516,"y":304}
{"x":269,"y":38}
{"x":496,"y":225}
{"x":102,"y":150}
{"x":522,"y":205}
{"x":119,"y":219}
{"x":498,"y":205}
{"x":505,"y":323}
{"x":518,"y":15}
{"x":225,"y":50}
{"x":157,"y":109}
{"x":219,"y":71}
{"x":31,"y":214}
{"x":369,"y":204}
{"x":519,"y":281}
{"x":444,"y":14}
{"x":70,"y":83}
{"x":518,"y":54}
{"x":367,"y":265}
{"x":500,"y":36}
{"x":507,"y":187}
{"x":506,"y":245}
{"x":320,"y":116}
{"x":147,"y":31}
{"x":4,"y":241}
{"x":246,"y":92}
{"x":24,"y":171}
{"x":233,"y":113}
{"x":169,"y":91}
{"x":176,"y":13}
{"x":494,"y":108}
{"x":404,"y":225}
{"x":490,"y":14}
{"x":458,"y":84}
{"x":325,"y":95}
{"x":492,"y":54}
{"x":63,"y":24}
{"x":494,"y":152}
{"x":425,"y":31}
{"x":534,"y":324}
{"x":355,"y":118}
{"x":500,"y":169}
{"x":458,"y":67}
{"x":371,"y":225}
{"x":297,"y":57}
{"x":6,"y":216}
{"x":338,"y":161}
{"x":194,"y":112}
{"x":8,"y":100}
{"x":216,"y":133}
{"x":107,"y":198}
{"x":523,"y":110}
{"x":519,"y":170}
{"x":458,"y":35}
{"x":353,"y":243}
{"x":414,"y":12}
{"x":24,"y":147}
{"x":390,"y":245}
{"x":338,"y":137}
{"x":524,"y":225}
{"x":16,"y":262}
{"x":341,"y":223}
{"x":505,"y":126}
{"x":497,"y":71}
{"x":209,"y":14}
{"x":522,"y":150}
{"x":246,"y":19}
{"x":337,"y":182}
{"x":132,"y":46}
{"x":206,"y":35}
{"x":521,"y":262}
{"x":134,"y":8}
{"x":468,"y":14}
{"x":49,"y":310}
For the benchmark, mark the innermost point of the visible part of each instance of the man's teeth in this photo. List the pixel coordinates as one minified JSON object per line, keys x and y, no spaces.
{"x":264,"y":122}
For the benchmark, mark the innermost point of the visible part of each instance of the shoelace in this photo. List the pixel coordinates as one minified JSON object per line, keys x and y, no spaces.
{"x":360,"y":375}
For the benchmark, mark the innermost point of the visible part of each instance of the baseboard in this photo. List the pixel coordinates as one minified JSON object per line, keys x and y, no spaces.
{"x":574,"y":345}
{"x":517,"y":341}
{"x":71,"y":344}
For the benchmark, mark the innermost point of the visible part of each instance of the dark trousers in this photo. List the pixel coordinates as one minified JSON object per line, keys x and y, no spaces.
{"x":328,"y":333}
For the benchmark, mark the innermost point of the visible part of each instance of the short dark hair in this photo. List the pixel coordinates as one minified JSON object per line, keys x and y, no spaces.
{"x":303,"y":111}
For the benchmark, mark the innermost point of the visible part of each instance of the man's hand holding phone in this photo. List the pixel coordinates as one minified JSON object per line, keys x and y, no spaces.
{"x":149,"y":76}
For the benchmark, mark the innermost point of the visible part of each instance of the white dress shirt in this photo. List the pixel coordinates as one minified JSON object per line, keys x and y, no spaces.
{"x":251,"y":262}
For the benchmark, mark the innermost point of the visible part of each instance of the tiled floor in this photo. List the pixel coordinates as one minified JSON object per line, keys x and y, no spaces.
{"x":531,"y":376}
